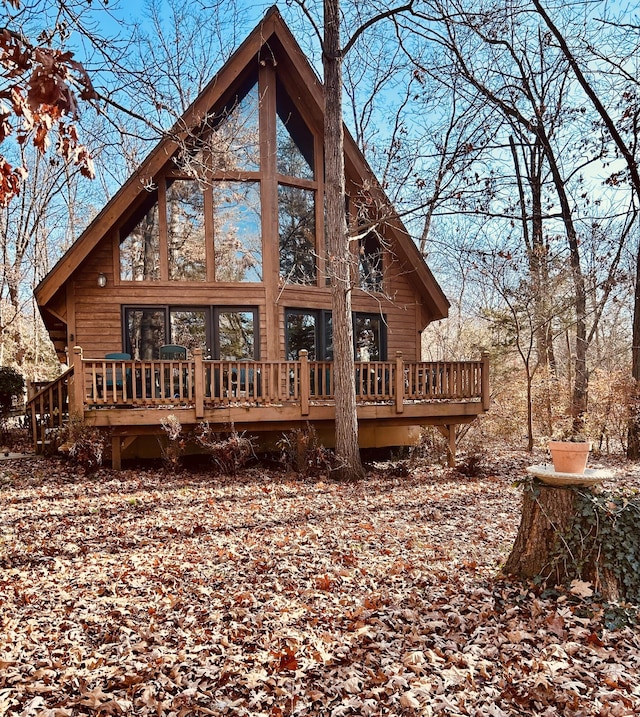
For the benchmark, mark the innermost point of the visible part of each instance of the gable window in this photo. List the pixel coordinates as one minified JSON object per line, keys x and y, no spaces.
{"x":235,"y":142}
{"x":297,"y":230}
{"x":295,"y":165}
{"x":228,"y":333}
{"x":294,"y":140}
{"x":237,"y":231}
{"x":185,"y":231}
{"x":204,"y":222}
{"x":140,"y":245}
{"x":370,"y":262}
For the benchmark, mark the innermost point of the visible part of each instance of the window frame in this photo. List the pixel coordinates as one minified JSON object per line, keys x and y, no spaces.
{"x":215,"y":326}
{"x":324,"y":331}
{"x":383,"y":332}
{"x":212,"y":313}
{"x":322,"y":343}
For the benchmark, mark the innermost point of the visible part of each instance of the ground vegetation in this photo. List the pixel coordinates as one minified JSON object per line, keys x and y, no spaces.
{"x":147,"y":591}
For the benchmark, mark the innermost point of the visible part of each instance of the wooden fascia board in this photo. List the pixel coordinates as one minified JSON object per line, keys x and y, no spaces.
{"x":421,"y":275}
{"x":156,"y":159}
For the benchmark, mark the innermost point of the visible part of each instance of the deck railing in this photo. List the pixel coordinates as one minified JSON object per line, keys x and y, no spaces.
{"x":48,"y":409}
{"x":206,"y":384}
{"x":203,"y":384}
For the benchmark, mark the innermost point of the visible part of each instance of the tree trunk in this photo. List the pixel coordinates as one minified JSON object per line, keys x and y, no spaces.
{"x":633,"y":444}
{"x":539,"y":551}
{"x":547,"y":512}
{"x":339,"y":258}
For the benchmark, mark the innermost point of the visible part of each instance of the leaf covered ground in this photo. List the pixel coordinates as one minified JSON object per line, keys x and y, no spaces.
{"x":149,"y":593}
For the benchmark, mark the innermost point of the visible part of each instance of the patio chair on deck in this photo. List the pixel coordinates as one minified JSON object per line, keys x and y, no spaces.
{"x":118,"y":379}
{"x":174,"y":352}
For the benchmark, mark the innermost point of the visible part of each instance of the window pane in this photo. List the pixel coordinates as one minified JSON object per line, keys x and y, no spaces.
{"x":291,"y":161}
{"x":237,"y":234}
{"x":235,"y":142}
{"x":140,"y":248}
{"x":368,"y":337}
{"x":185,"y":231}
{"x":294,"y":140}
{"x":301,"y":334}
{"x":189,"y":328}
{"x":296,"y":225}
{"x":236,"y":339}
{"x":145,"y":333}
{"x":370,"y":265}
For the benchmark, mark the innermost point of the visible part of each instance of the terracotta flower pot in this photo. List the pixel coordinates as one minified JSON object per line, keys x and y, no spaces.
{"x":569,"y":457}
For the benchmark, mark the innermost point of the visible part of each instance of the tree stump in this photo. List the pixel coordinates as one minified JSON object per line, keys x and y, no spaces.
{"x":547,"y":514}
{"x":541,"y":549}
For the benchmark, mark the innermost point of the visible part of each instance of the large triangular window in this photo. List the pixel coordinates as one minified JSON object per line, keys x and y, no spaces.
{"x":140,"y":244}
{"x":235,"y":141}
{"x":205,"y":222}
{"x":294,"y":140}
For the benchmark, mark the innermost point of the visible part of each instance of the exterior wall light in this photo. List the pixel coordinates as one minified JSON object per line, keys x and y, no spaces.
{"x":102,"y":280}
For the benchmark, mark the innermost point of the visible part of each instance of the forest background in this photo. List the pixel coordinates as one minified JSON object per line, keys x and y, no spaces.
{"x":506,"y":138}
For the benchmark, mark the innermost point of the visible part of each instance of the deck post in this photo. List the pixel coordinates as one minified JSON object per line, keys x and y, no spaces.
{"x":76,"y":385}
{"x":486,"y":399}
{"x":449,"y":432}
{"x":305,"y":384}
{"x":198,"y":382}
{"x":399,"y":383}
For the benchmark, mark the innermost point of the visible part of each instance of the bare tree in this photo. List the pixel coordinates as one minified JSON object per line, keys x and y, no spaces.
{"x":504,"y":56}
{"x":628,"y":151}
{"x":340,"y":257}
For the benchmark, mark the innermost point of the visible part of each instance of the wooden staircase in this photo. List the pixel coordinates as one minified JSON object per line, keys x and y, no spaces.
{"x":48,"y":410}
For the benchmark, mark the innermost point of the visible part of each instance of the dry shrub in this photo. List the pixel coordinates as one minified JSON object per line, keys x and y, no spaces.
{"x":173,"y":449}
{"x":473,"y":460}
{"x":230,"y":451}
{"x":610,"y":409}
{"x":84,"y":444}
{"x":433,"y":446}
{"x":302,"y":452}
{"x":506,"y":421}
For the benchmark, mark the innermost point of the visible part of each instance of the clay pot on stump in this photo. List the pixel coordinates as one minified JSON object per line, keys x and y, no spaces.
{"x":569,"y":456}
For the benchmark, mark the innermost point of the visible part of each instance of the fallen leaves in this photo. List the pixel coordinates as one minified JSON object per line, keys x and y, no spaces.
{"x":266,"y":595}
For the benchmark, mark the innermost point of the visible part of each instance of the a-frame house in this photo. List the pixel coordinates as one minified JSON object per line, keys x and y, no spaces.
{"x":201,"y":288}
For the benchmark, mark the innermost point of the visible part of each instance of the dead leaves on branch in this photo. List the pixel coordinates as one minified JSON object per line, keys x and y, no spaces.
{"x":39,"y":95}
{"x":139,"y":593}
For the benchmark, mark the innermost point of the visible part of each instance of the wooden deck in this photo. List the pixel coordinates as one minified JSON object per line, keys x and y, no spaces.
{"x":131,"y":397}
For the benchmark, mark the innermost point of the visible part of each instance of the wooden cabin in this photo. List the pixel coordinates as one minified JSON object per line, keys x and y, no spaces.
{"x":201,"y":289}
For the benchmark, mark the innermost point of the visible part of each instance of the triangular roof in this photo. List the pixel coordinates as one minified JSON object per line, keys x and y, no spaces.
{"x":271,"y":38}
